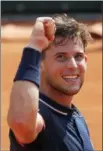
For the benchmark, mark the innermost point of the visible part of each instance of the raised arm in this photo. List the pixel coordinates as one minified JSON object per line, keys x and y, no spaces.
{"x":23,"y":117}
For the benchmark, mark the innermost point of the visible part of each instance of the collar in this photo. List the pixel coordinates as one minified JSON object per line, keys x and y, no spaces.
{"x":57,"y":107}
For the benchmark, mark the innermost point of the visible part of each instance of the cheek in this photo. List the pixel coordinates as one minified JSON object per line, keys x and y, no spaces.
{"x":55,"y":70}
{"x":82,"y":66}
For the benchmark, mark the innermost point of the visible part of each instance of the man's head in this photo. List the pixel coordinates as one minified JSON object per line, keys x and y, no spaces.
{"x":63,"y":63}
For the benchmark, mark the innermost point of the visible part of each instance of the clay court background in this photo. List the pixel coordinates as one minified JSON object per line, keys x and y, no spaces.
{"x":89,"y":100}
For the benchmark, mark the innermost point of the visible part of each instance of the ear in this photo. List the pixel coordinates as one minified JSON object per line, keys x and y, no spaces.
{"x":86,"y":61}
{"x":86,"y":58}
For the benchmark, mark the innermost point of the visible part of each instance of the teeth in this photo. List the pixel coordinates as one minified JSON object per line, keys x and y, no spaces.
{"x":70,"y":77}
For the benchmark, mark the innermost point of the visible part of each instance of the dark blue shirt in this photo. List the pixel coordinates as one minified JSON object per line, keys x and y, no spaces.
{"x":65,"y":130}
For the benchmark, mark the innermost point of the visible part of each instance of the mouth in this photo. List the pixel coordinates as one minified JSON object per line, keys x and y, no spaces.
{"x":70,"y":78}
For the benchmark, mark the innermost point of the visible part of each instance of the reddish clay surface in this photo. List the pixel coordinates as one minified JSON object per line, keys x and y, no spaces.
{"x":89,"y":100}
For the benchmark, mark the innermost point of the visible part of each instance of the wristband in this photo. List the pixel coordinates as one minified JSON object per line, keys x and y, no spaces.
{"x":29,"y":67}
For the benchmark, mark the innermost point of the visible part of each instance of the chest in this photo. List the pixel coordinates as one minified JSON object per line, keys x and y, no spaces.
{"x":63,"y":133}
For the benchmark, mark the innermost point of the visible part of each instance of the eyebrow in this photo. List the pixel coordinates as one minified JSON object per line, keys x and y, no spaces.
{"x":61,"y":53}
{"x":66,"y":54}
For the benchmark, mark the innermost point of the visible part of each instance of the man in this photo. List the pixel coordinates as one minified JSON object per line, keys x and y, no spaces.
{"x":48,"y":121}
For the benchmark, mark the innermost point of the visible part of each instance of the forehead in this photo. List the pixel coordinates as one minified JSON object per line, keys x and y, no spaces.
{"x":70,"y":46}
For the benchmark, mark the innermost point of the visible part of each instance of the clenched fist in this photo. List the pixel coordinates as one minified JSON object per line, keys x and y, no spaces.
{"x":43,"y":33}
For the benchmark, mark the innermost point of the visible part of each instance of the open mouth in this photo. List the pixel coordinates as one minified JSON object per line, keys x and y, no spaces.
{"x":70,"y":78}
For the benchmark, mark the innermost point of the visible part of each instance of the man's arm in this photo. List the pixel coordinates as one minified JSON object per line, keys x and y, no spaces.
{"x":23,"y":117}
{"x":23,"y":111}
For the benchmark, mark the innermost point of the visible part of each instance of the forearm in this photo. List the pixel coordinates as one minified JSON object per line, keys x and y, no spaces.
{"x":24,"y":98}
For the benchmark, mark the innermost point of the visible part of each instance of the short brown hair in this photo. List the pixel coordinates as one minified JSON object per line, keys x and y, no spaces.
{"x":67,"y":28}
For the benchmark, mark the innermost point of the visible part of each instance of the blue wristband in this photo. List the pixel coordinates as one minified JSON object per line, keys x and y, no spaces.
{"x":29,"y":67}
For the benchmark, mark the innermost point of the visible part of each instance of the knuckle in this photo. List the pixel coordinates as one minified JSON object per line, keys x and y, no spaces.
{"x":43,"y":19}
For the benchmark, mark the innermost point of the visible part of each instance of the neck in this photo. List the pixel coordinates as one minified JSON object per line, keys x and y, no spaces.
{"x":57,"y":96}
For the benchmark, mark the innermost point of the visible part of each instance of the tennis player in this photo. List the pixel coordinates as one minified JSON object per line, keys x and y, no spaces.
{"x":41,"y":115}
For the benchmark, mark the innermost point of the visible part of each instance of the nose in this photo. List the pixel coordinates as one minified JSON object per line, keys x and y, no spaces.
{"x":71,"y":63}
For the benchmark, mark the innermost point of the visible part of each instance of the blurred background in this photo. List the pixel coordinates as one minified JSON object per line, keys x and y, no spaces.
{"x":17,"y":19}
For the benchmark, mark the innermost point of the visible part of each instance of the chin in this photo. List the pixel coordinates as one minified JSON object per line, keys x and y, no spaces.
{"x":71,"y":92}
{"x":67,"y":91}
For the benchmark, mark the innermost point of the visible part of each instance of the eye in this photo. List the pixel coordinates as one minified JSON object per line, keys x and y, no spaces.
{"x":79,"y":56}
{"x":61,"y":57}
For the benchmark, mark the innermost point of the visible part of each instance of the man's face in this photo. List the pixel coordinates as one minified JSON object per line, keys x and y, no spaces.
{"x":64,"y":67}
